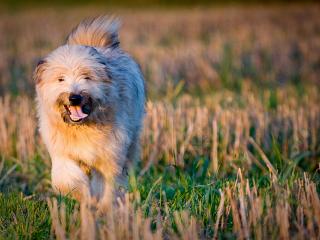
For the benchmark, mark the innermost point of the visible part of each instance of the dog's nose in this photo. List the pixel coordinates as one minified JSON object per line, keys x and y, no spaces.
{"x":75,"y":99}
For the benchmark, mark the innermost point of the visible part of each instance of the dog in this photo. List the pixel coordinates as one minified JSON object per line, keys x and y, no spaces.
{"x":90,"y":97}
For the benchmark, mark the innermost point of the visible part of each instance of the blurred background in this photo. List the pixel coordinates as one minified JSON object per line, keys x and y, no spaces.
{"x":184,"y":46}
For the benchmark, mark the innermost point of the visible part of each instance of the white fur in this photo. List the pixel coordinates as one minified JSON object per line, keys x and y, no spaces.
{"x":110,"y":141}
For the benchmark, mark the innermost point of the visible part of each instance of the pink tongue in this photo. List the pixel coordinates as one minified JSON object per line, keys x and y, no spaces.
{"x":76,"y":113}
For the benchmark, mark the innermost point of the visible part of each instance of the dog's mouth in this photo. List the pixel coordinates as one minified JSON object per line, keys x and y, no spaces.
{"x":75,"y":108}
{"x":77,"y":113}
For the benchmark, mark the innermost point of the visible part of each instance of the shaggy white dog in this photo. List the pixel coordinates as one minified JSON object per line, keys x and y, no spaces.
{"x":90,"y":102}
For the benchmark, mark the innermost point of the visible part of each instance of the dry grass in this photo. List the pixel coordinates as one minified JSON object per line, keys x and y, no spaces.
{"x":252,"y":214}
{"x":220,"y":126}
{"x":235,"y":138}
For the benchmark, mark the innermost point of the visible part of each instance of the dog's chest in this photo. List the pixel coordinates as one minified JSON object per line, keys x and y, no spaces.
{"x":83,"y":146}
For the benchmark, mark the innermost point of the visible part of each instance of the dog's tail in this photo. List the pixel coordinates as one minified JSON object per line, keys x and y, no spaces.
{"x":97,"y":32}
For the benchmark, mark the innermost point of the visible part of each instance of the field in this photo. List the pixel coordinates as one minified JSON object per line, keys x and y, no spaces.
{"x":231,"y":139}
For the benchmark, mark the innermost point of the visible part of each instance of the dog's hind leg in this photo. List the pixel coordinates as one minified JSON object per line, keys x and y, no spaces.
{"x":68,"y":178}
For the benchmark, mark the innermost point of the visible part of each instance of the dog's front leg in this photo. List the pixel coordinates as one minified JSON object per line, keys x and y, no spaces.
{"x":104,"y":175}
{"x":68,"y":178}
{"x":108,"y":167}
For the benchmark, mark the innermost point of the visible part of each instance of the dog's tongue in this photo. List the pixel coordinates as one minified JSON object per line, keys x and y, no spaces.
{"x":76,"y":113}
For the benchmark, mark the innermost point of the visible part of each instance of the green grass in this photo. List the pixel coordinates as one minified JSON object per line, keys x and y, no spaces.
{"x":25,"y":215}
{"x":22,"y":218}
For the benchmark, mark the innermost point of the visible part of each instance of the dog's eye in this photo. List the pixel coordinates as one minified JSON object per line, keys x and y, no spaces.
{"x":61,"y":79}
{"x":87,"y":78}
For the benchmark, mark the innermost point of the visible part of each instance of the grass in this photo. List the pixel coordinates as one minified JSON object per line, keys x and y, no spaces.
{"x":230,"y":146}
{"x":166,"y":193}
{"x":23,"y":218}
{"x":204,"y":173}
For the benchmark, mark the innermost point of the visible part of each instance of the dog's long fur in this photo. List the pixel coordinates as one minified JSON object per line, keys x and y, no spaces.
{"x":90,"y":157}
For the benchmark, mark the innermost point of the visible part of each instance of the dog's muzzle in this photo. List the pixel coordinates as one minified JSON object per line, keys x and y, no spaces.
{"x":78,"y":108}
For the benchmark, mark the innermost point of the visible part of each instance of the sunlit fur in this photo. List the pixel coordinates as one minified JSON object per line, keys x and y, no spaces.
{"x":90,"y":158}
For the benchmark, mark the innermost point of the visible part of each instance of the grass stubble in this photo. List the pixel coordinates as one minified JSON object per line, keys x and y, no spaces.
{"x":230,"y":147}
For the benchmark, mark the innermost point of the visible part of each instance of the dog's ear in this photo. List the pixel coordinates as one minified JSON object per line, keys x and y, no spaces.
{"x":39,"y":70}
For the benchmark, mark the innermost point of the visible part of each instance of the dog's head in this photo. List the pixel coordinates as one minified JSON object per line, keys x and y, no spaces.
{"x":73,"y":84}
